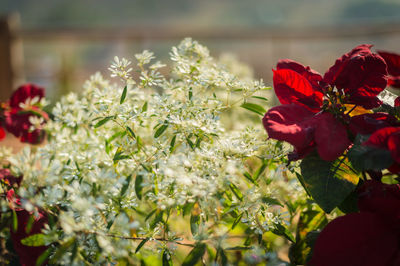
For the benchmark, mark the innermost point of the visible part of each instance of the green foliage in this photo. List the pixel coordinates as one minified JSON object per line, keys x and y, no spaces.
{"x":329,"y":183}
{"x":364,"y":158}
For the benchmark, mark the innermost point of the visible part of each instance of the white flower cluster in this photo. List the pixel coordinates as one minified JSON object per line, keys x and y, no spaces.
{"x":131,"y":162}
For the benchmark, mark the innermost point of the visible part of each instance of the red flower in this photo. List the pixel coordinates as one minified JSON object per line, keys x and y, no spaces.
{"x":367,"y":124}
{"x":397,"y":102}
{"x":16,"y":117}
{"x":297,"y":121}
{"x":27,"y":255}
{"x":393,"y":63}
{"x":2,"y":133}
{"x":367,"y":238}
{"x":388,"y":138}
{"x":359,"y":74}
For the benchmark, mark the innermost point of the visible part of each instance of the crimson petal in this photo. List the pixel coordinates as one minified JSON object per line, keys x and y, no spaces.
{"x":393,"y":63}
{"x":360,"y":74}
{"x":366,"y":124}
{"x":24,"y":92}
{"x":291,"y":123}
{"x":291,"y":87}
{"x":311,"y":75}
{"x":356,"y":239}
{"x":330,"y":137}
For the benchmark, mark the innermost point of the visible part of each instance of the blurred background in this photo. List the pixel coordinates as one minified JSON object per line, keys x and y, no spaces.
{"x":60,"y":43}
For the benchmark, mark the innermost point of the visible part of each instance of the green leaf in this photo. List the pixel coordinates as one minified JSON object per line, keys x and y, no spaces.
{"x":138,"y":186}
{"x":172,"y":144}
{"x":194,"y":224}
{"x":35,"y":240}
{"x":166,"y":259}
{"x":103,"y":121}
{"x":131,"y":132}
{"x":144,"y":107}
{"x":141,"y":244}
{"x":195,"y":255}
{"x":365,"y":158}
{"x":224,"y":259}
{"x":271,"y":201}
{"x":260,"y":98}
{"x":280,"y":230}
{"x":190,"y":93}
{"x":160,"y":130}
{"x":239,"y":248}
{"x":258,"y":109}
{"x":61,"y":250}
{"x":236,"y":191}
{"x":309,"y":221}
{"x":126,"y":185}
{"x":44,"y":256}
{"x":260,"y":170}
{"x":14,"y":221}
{"x":237,"y":221}
{"x":123,"y":96}
{"x":119,"y":156}
{"x":329,"y":183}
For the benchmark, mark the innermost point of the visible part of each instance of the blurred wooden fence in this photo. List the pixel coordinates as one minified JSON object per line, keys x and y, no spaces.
{"x":279,"y":40}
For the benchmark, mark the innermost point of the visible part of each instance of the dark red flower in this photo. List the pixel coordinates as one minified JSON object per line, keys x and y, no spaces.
{"x":17,"y":122}
{"x":25,"y":92}
{"x":2,"y":133}
{"x":16,"y":117}
{"x":387,"y":138}
{"x":360,"y":74}
{"x":397,"y":102}
{"x":27,"y":254}
{"x":7,"y":178}
{"x":367,"y":124}
{"x":306,"y":130}
{"x":393,"y":64}
{"x":367,"y":238}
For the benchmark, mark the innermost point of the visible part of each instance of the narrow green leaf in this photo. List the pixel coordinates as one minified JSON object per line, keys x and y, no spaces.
{"x":309,"y":221}
{"x":224,"y":258}
{"x":150,"y":214}
{"x":14,"y":221}
{"x":144,"y":107}
{"x":61,"y":250}
{"x":157,"y":219}
{"x":29,"y":224}
{"x":138,"y":186}
{"x":103,"y":121}
{"x":329,"y":183}
{"x":190,"y":93}
{"x":271,"y":201}
{"x":35,"y":240}
{"x":125,"y":186}
{"x":195,"y":255}
{"x":236,"y":191}
{"x":239,"y":248}
{"x":166,"y":259}
{"x":258,"y":109}
{"x":283,"y":231}
{"x":237,"y":220}
{"x":119,"y":156}
{"x":249,"y":177}
{"x":172,"y":144}
{"x":131,"y":132}
{"x":260,"y":98}
{"x":194,"y":224}
{"x":44,"y":256}
{"x":160,"y":130}
{"x":123,"y":96}
{"x":260,"y":170}
{"x":141,"y":244}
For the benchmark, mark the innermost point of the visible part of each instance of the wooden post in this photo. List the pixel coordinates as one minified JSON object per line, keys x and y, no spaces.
{"x":11,"y":56}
